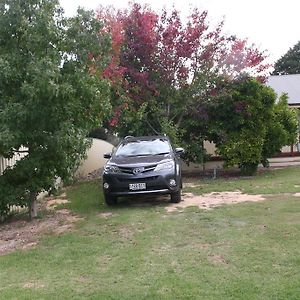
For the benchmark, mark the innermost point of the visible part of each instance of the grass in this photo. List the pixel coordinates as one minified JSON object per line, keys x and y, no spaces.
{"x":243,"y":251}
{"x":278,"y":181}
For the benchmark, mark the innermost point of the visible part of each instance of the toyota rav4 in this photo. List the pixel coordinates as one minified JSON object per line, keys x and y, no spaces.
{"x":142,"y":165}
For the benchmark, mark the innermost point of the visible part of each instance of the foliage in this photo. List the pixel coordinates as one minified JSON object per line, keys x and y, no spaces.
{"x":51,"y":94}
{"x":163,"y":70}
{"x":248,"y":127}
{"x":289,"y":63}
{"x":282,"y":128}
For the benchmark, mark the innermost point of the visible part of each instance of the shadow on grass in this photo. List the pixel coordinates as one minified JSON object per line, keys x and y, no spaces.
{"x":87,"y":198}
{"x":143,"y":201}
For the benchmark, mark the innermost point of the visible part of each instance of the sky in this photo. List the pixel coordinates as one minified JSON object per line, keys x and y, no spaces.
{"x":272,"y":25}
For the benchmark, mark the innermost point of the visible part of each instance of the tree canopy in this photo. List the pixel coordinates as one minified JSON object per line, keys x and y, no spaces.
{"x":249,"y":126}
{"x":190,"y":80}
{"x":164,"y":70}
{"x":289,"y":63}
{"x":51,"y":93}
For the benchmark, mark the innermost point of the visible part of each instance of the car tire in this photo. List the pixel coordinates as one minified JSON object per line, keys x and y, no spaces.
{"x":176,"y":197}
{"x":110,"y":200}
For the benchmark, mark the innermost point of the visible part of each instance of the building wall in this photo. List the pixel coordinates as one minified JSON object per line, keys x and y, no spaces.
{"x":210,"y":148}
{"x":94,"y":160}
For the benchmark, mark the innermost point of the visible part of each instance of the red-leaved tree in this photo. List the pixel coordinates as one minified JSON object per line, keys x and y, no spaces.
{"x":164,"y":70}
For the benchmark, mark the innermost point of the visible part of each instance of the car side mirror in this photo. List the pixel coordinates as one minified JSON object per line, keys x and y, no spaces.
{"x":179,"y":151}
{"x":107,"y":155}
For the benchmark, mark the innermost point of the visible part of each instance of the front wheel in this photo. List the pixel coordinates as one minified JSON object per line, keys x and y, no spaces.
{"x":176,"y":197}
{"x":110,"y":200}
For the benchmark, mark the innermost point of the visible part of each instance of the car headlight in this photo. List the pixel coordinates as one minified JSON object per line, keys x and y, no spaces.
{"x":111,"y":169}
{"x":165,"y":166}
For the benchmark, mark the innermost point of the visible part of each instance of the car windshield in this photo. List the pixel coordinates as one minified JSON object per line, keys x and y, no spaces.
{"x":144,"y":148}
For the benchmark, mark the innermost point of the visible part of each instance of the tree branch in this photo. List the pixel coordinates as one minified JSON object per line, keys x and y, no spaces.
{"x":155,"y":131}
{"x":180,"y":119}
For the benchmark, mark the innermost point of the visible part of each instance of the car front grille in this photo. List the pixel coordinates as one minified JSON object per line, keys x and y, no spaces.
{"x":129,"y":170}
{"x":137,"y":180}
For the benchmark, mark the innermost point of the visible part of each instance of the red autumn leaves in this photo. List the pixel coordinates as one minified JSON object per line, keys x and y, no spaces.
{"x":152,"y":52}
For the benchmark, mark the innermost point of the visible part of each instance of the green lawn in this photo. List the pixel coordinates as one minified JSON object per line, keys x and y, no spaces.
{"x":278,"y":181}
{"x":242,"y":251}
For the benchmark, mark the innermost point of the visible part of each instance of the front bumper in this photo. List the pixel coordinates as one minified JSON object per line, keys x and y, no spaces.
{"x":156,"y":183}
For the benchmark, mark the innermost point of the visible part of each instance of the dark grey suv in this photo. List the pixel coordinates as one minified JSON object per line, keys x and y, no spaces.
{"x":142,"y":165}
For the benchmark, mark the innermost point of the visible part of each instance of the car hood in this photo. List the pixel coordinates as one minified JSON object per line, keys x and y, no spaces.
{"x":139,"y":160}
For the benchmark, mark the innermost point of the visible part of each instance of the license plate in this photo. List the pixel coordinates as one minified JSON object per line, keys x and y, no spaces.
{"x":137,"y":186}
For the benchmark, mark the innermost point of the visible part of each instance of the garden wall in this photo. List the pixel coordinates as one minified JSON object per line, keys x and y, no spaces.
{"x":5,"y":162}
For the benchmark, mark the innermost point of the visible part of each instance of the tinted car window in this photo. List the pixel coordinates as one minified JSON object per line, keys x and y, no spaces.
{"x":151,"y":147}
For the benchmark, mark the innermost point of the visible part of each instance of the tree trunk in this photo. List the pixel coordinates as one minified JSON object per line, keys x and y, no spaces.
{"x":180,"y":119}
{"x":32,"y":205}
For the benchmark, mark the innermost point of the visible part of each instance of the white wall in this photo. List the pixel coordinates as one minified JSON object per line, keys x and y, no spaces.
{"x":210,"y":148}
{"x":95,"y":158}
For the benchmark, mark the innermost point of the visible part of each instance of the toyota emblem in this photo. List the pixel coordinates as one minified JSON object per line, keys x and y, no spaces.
{"x":137,"y":171}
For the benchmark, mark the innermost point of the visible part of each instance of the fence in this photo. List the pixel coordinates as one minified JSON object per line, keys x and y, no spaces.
{"x":5,"y":162}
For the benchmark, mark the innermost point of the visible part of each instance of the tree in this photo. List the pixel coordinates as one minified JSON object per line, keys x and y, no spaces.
{"x":289,"y":63}
{"x":248,"y":126}
{"x":164,"y":71}
{"x":282,"y":128}
{"x":51,"y":94}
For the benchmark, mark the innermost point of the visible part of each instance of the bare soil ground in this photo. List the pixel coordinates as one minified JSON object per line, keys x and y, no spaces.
{"x":205,"y":201}
{"x":208,"y":201}
{"x":19,"y":233}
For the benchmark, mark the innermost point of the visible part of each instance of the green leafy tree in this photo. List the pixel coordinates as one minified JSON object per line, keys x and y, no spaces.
{"x":51,"y":94}
{"x":282,"y":128}
{"x":289,"y":63}
{"x":248,"y":127}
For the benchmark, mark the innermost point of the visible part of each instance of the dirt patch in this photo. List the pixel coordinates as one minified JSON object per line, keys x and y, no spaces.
{"x":208,"y":201}
{"x":126,"y":233}
{"x":22,"y":234}
{"x":217,"y":260}
{"x":52,"y":204}
{"x":33,"y":285}
{"x":106,"y":215}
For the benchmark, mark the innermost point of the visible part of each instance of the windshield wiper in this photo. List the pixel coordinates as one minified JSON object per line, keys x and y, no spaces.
{"x":145,"y":154}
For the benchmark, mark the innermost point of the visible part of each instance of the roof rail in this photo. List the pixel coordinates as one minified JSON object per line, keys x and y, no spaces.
{"x":128,"y":137}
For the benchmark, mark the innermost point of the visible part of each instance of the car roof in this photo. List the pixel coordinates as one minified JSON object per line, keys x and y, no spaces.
{"x":129,"y":139}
